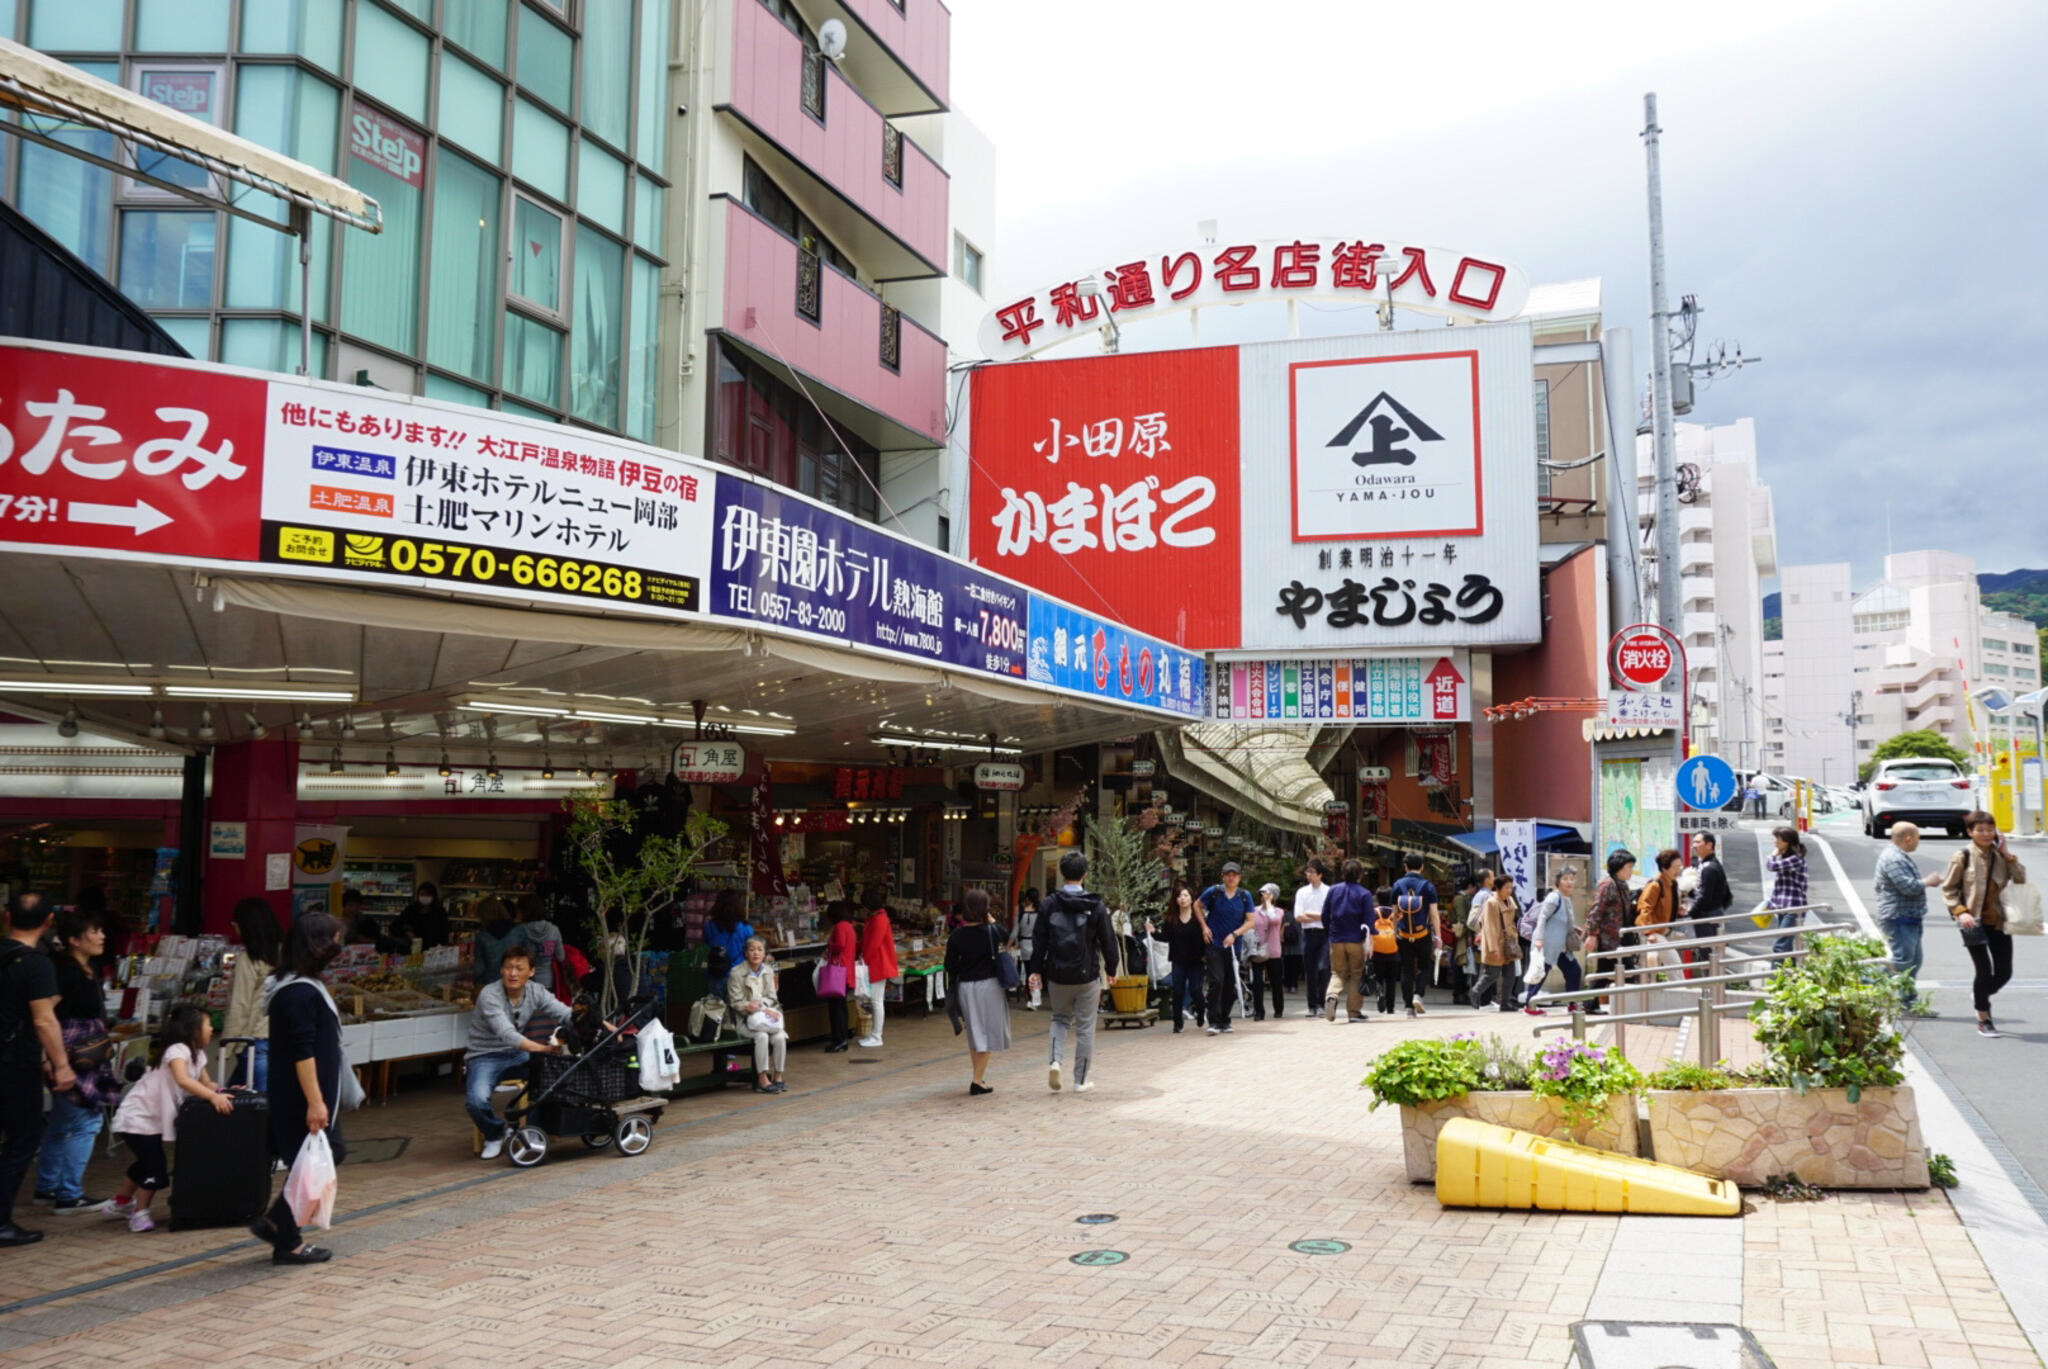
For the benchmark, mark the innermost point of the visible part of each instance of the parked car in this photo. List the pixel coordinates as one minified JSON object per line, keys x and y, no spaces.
{"x":1842,"y":799}
{"x":1916,"y":789}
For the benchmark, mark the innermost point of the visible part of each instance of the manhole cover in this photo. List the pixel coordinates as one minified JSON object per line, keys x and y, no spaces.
{"x":1098,"y":1259}
{"x":1319,"y":1247}
{"x":1666,"y":1345}
{"x":1096,"y":1218}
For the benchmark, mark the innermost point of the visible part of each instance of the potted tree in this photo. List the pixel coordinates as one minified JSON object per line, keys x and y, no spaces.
{"x":1829,"y":1104}
{"x":1124,"y":870}
{"x":1578,"y":1092}
{"x":630,"y":881}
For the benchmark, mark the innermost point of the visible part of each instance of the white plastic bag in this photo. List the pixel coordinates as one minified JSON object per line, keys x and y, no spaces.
{"x":311,"y":1185}
{"x":660,"y":1066}
{"x":2022,"y":909}
{"x":860,"y":978}
{"x":764,"y":1020}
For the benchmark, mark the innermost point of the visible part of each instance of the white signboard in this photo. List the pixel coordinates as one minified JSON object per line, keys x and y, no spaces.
{"x":1707,"y":822}
{"x":1517,"y":843}
{"x":227,"y":840}
{"x":1346,"y":271}
{"x":709,"y":762}
{"x":1409,"y":466}
{"x":1628,"y":708}
{"x":1001,"y":776}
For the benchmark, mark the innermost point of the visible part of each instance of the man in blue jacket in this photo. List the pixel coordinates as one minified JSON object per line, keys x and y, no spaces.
{"x":1415,"y":930}
{"x":1228,"y":911}
{"x":1348,"y":915}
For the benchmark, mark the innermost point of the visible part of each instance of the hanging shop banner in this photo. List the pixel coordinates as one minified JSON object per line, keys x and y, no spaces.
{"x":1516,"y":841}
{"x":999,"y":776}
{"x":1369,"y":492}
{"x":1390,"y":689}
{"x":373,"y":484}
{"x":1089,"y":654}
{"x":1340,"y":270}
{"x":1114,"y":478}
{"x":785,"y":562}
{"x":708,"y":762}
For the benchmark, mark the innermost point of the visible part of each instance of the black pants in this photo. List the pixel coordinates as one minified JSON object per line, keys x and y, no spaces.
{"x":1386,"y":973}
{"x":1292,"y":960}
{"x":1315,"y":964}
{"x":1187,"y":994}
{"x":151,"y":1167}
{"x":835,"y":1013}
{"x":1993,"y":960}
{"x":1267,"y":976}
{"x":1222,"y":985}
{"x":21,"y":1124}
{"x":1567,"y":965}
{"x":1415,"y":957}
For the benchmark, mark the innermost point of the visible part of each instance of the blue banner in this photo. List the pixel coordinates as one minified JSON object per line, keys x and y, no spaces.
{"x":1089,"y":654}
{"x":782,"y":561}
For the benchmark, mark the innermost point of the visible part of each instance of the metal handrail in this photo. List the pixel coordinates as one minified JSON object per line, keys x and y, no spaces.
{"x":1711,"y":990}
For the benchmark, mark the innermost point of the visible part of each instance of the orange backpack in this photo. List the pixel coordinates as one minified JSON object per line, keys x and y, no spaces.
{"x":1383,"y":942}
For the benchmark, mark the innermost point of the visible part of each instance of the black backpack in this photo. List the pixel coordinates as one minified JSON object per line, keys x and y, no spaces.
{"x":1070,"y":945}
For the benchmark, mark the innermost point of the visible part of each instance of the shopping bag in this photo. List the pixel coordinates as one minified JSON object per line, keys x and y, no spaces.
{"x":309,"y":1188}
{"x":660,"y":1066}
{"x":1761,"y":914}
{"x":829,"y":979}
{"x":860,"y":978}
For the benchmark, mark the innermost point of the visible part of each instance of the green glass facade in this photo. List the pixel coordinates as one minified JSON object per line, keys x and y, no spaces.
{"x":515,"y":146}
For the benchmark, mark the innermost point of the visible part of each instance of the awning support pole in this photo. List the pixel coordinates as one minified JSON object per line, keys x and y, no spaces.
{"x":302,"y":224}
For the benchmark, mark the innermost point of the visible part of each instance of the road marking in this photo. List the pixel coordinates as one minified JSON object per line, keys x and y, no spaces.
{"x":1849,"y":894}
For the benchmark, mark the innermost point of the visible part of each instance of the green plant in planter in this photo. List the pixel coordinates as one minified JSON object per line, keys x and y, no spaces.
{"x":1504,"y":1067}
{"x":1684,"y":1076}
{"x":1827,"y":1021}
{"x":1583,"y":1078}
{"x":1425,"y":1070}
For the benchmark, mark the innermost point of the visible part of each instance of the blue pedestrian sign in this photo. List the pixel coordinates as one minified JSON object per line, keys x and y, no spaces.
{"x":1706,"y":782}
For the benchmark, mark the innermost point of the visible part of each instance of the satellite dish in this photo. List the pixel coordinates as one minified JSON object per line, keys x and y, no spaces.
{"x":832,"y":39}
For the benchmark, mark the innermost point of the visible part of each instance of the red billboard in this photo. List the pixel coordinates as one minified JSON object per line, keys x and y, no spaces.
{"x":1112,"y":483}
{"x":130,"y":457}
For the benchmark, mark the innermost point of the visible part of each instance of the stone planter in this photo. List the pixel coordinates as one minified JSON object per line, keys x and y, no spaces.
{"x":1747,"y":1135}
{"x":1521,"y":1110}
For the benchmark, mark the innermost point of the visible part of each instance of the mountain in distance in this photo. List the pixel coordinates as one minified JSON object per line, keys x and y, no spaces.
{"x":2024,"y":592}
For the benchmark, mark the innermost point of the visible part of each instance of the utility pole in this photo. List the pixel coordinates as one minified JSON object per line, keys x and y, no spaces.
{"x":1855,"y":761}
{"x":1662,"y":436}
{"x":1663,"y":439}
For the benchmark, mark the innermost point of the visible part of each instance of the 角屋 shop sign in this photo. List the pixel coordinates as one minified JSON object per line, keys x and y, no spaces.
{"x":1331,"y":496}
{"x":1089,"y":654}
{"x":784,"y":562}
{"x":708,"y":762}
{"x":1340,"y":270}
{"x":1391,"y":689}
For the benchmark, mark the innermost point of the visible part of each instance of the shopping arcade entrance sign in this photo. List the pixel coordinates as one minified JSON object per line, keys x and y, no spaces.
{"x":1337,"y":270}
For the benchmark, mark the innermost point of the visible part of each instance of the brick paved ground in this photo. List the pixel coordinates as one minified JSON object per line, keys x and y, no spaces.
{"x":877,"y":1214}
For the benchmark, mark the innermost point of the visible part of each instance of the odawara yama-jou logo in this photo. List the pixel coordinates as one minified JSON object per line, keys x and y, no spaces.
{"x":1387,"y":426}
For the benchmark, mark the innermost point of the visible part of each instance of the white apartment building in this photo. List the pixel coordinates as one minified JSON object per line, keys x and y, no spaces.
{"x":1913,"y":644}
{"x":1727,"y":546}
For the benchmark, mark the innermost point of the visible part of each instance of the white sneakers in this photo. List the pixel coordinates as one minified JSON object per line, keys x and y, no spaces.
{"x":1416,"y":1003}
{"x":869,"y":1043}
{"x":493,"y":1149}
{"x":1052,"y":1077}
{"x":139,"y":1220}
{"x":1084,"y":1086}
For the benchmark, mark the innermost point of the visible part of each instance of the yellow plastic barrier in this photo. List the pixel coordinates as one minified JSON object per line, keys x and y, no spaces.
{"x":1482,"y":1165}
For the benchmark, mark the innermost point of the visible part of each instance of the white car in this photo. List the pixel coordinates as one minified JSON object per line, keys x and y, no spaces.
{"x":1917,"y":789}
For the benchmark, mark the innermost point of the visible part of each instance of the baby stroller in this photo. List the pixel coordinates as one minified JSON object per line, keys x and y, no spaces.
{"x":595,"y":1095}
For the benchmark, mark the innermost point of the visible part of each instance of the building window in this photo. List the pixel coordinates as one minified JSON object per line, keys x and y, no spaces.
{"x":767,"y":199}
{"x":967,"y":263}
{"x":309,"y":29}
{"x":650,"y":135}
{"x":391,"y":61}
{"x":537,"y":234}
{"x":479,"y":26}
{"x":178,"y":25}
{"x":533,"y":360}
{"x":892,"y":338}
{"x":167,"y":259}
{"x":594,"y":361}
{"x":762,"y":425}
{"x":74,"y":26}
{"x":1990,"y":645}
{"x":193,"y":90}
{"x":1542,"y":437}
{"x":642,"y":349}
{"x":462,"y":289}
{"x":810,"y":285}
{"x":892,"y":155}
{"x":547,"y":60}
{"x":540,"y":150}
{"x":607,"y":56}
{"x":379,"y":301}
{"x":472,"y":108}
{"x":72,"y":200}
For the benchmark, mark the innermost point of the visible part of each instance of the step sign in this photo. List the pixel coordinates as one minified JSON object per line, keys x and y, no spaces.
{"x":1706,"y":782}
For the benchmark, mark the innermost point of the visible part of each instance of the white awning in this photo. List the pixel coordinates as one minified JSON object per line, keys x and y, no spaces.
{"x":50,"y":94}
{"x":1262,"y":770}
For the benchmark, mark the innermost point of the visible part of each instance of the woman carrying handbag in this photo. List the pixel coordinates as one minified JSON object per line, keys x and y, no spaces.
{"x":979,"y":972}
{"x":1975,"y":887}
{"x":835,"y":972}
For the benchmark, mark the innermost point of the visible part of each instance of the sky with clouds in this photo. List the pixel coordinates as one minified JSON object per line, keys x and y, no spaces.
{"x":1856,"y":192}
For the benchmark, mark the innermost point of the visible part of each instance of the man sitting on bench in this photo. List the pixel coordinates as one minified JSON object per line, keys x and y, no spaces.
{"x":509,"y":1016}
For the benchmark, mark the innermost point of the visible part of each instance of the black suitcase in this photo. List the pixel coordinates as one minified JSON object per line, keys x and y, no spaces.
{"x":223,"y":1163}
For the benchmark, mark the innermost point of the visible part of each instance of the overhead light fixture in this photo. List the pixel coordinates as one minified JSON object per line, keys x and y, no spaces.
{"x":608,"y":765}
{"x":390,"y":764}
{"x":547,"y":767}
{"x":257,"y":731}
{"x":348,"y":727}
{"x":334,"y":761}
{"x":305,"y":727}
{"x":527,"y":709}
{"x":280,"y":694}
{"x":156,"y":724}
{"x":446,"y":769}
{"x":933,"y":744}
{"x":72,"y":687}
{"x":205,"y":732}
{"x":491,"y":771}
{"x":69,"y":727}
{"x":779,"y":819}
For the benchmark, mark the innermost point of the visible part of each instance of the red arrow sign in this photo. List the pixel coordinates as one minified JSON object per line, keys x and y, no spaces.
{"x":1443,"y":682}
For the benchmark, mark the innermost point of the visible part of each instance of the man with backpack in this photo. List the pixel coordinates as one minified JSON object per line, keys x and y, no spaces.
{"x":1229,"y":913}
{"x":31,"y":1049}
{"x":1072,"y":942}
{"x":1415,"y":930}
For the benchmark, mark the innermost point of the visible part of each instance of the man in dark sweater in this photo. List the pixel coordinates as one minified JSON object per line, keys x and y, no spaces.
{"x":1072,"y":941}
{"x":1714,"y":898}
{"x":1228,"y":910}
{"x":1348,"y":916}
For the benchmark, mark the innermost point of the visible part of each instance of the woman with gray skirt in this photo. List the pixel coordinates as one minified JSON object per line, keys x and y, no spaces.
{"x":976,"y":1003}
